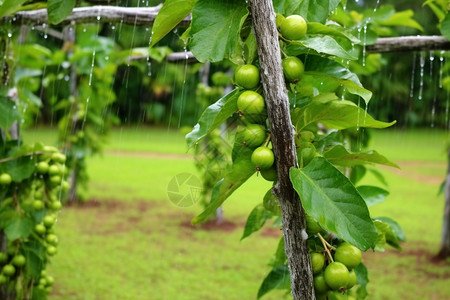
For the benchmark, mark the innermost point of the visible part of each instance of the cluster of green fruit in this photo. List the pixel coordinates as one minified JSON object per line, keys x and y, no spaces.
{"x":334,"y":274}
{"x":251,"y":104}
{"x":32,"y":201}
{"x":252,"y":109}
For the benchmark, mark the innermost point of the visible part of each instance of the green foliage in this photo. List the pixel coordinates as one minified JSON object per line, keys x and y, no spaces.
{"x":171,"y":13}
{"x":58,"y":10}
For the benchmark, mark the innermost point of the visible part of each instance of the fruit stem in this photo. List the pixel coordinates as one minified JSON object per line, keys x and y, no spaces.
{"x":283,"y":54}
{"x":267,"y":141}
{"x":327,"y":246}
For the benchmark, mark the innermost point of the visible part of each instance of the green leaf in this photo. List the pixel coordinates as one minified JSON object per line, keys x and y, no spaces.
{"x":362,"y":279}
{"x":58,"y":10}
{"x":382,"y":229}
{"x":337,"y":114}
{"x":445,"y":26}
{"x":402,"y":18}
{"x":171,"y":13}
{"x":317,"y":10}
{"x":9,"y":113}
{"x":278,"y":278}
{"x":331,"y":199}
{"x":241,"y":170}
{"x":215,"y":28}
{"x":338,"y":155}
{"x":19,"y":168}
{"x":256,"y":220}
{"x":10,"y":6}
{"x":321,"y":44}
{"x":372,"y":194}
{"x":332,"y":30}
{"x":19,"y":228}
{"x":34,"y":251}
{"x":213,"y":116}
{"x":395,"y":227}
{"x":279,"y":257}
{"x":271,"y":203}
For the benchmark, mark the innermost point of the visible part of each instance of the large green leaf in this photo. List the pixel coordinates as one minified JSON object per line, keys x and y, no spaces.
{"x":19,"y":228}
{"x":58,"y":10}
{"x":337,"y":114}
{"x":445,"y":26}
{"x":256,"y":220}
{"x":9,"y":113}
{"x":330,"y":198}
{"x":325,"y":83}
{"x":332,"y":30}
{"x":322,"y":45}
{"x":171,"y":13}
{"x":241,"y":170}
{"x":372,"y":194}
{"x":215,"y":28}
{"x":278,"y":278}
{"x":213,"y":116}
{"x":10,"y":6}
{"x":338,"y":155}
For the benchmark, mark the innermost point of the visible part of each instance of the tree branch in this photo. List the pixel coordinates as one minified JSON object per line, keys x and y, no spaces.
{"x":283,"y":132}
{"x":409,"y":43}
{"x":95,"y":14}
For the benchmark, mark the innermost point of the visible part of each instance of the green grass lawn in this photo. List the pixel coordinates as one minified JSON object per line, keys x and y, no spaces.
{"x":130,"y":242}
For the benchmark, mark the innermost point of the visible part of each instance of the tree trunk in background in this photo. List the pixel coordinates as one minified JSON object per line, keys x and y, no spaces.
{"x":292,"y":213}
{"x":444,"y":251}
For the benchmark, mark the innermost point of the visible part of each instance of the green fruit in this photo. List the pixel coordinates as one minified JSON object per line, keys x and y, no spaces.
{"x":5,"y":179}
{"x":42,"y":167}
{"x":49,"y":220}
{"x":54,"y":170}
{"x":56,"y":205}
{"x":262,"y":158}
{"x":65,"y":185}
{"x":351,"y":279}
{"x":293,"y":27}
{"x":320,"y":285}
{"x":317,"y":261}
{"x":251,"y":103}
{"x":38,"y":205}
{"x":59,"y":157}
{"x":253,"y":135}
{"x":40,"y":228}
{"x":247,"y":76}
{"x":50,"y":280}
{"x":312,"y":226}
{"x":269,"y":174}
{"x":43,"y":282}
{"x":38,"y":194}
{"x":55,"y":179}
{"x":292,"y":68}
{"x":3,"y":279}
{"x":8,"y":270}
{"x":19,"y":260}
{"x":336,"y":275}
{"x":279,"y":19}
{"x":3,"y":257}
{"x":348,"y":254}
{"x":336,"y":295}
{"x":52,"y":239}
{"x":51,"y":250}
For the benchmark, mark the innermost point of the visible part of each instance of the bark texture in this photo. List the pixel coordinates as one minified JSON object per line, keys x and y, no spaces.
{"x":94,"y":14}
{"x":283,"y":132}
{"x":409,"y":43}
{"x":444,"y":250}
